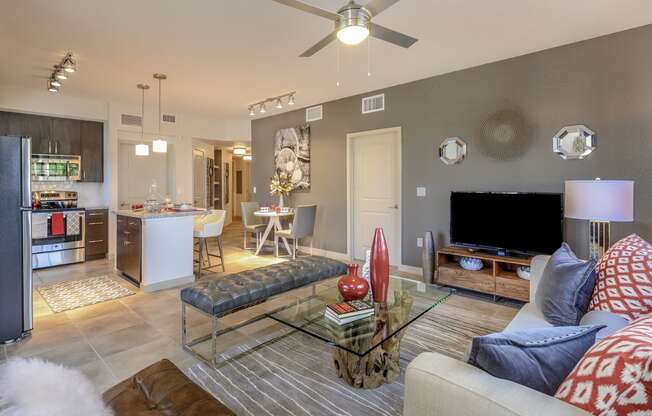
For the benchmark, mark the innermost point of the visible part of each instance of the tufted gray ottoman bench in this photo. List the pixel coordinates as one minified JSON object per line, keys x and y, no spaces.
{"x":216,"y":298}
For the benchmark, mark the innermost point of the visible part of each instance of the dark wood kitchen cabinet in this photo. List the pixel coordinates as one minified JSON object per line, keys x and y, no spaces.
{"x":128,"y":250}
{"x":65,"y":136}
{"x":97,"y":233}
{"x":92,"y":151}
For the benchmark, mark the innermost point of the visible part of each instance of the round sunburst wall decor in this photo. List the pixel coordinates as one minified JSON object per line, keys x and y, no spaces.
{"x":505,"y":135}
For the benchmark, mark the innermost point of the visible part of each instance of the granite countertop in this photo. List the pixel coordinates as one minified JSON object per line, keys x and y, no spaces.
{"x":144,"y":215}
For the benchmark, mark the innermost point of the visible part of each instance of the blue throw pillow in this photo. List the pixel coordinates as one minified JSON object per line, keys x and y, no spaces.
{"x":565,"y":288}
{"x":537,"y":358}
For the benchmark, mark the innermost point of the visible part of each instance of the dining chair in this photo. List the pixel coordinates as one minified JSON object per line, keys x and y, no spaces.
{"x":303,"y":226}
{"x":205,"y":227}
{"x":252,"y":224}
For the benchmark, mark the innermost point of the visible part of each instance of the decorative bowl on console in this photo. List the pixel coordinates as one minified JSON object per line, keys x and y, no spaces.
{"x":523,"y":272}
{"x":470,"y":263}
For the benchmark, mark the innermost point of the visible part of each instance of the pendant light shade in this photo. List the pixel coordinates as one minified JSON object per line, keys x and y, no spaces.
{"x":159,"y":145}
{"x":142,"y":150}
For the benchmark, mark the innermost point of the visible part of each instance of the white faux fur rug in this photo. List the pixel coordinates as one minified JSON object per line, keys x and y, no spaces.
{"x":33,"y":387}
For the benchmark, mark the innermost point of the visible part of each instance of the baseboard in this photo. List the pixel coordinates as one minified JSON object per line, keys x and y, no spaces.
{"x":410,"y":269}
{"x":326,"y":253}
{"x":168,"y":284}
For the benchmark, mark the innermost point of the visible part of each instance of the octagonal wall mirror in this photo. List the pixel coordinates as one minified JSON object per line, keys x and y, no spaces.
{"x":574,"y":142}
{"x":452,"y":151}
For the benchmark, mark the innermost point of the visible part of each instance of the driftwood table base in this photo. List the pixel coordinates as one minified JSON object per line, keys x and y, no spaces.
{"x":380,"y":366}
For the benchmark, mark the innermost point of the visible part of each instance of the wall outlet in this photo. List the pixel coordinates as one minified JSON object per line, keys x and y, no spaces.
{"x":421,"y":191}
{"x":419,"y":241}
{"x":254,"y":189}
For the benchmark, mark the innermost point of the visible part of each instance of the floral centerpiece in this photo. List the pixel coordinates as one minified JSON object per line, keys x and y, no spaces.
{"x":281,"y":185}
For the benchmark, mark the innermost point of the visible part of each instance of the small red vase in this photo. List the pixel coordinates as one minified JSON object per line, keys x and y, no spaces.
{"x":379,"y":267}
{"x":352,"y":286}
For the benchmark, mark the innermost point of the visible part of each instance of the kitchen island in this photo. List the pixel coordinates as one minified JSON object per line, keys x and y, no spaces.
{"x":155,"y":249}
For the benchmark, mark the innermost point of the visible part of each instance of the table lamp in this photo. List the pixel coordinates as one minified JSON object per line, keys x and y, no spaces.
{"x":600,"y":202}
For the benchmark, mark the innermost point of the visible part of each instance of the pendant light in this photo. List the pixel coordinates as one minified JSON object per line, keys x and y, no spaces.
{"x":142,"y":149}
{"x":159,"y":145}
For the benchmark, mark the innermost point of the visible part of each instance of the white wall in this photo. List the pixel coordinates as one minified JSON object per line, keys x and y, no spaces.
{"x":40,"y":101}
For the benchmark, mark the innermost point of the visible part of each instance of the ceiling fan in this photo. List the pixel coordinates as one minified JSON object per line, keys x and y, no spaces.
{"x":353,"y":24}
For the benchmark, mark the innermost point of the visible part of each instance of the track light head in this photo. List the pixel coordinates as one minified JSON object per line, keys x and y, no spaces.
{"x":52,"y":87}
{"x":69,"y":64}
{"x":251,"y":111}
{"x":262,"y":109}
{"x":59,"y":73}
{"x":291,"y":99}
{"x":53,"y":81}
{"x":279,"y":104}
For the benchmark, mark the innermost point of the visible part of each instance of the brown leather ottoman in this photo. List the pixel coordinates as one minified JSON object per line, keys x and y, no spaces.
{"x":162,"y":389}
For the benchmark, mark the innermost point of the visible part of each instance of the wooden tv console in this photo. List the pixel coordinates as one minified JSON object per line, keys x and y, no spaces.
{"x":497,"y":278}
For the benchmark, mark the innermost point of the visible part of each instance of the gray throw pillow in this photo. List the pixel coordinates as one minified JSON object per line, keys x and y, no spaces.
{"x":565,"y":288}
{"x":536,"y":358}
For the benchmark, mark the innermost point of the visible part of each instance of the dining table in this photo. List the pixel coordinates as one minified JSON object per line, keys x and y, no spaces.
{"x":274,"y":222}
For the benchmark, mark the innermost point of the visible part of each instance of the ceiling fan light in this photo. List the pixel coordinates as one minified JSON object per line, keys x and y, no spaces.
{"x":142,"y":150}
{"x":160,"y":146}
{"x":352,"y":35}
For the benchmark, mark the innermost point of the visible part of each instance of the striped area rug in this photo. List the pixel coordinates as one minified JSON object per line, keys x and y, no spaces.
{"x":294,"y":375}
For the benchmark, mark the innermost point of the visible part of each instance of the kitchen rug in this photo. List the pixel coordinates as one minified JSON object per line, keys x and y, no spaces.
{"x":64,"y":296}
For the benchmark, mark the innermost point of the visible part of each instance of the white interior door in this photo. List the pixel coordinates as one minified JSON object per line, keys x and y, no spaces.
{"x":375,"y":190}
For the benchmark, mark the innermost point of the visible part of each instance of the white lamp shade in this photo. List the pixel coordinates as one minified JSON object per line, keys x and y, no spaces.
{"x":159,"y":146}
{"x":142,"y":150}
{"x":599,"y":200}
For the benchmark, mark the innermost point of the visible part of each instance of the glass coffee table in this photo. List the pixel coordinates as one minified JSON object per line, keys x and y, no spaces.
{"x":366,"y":353}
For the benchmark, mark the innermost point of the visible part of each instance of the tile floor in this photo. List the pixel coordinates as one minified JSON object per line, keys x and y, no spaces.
{"x":112,"y":340}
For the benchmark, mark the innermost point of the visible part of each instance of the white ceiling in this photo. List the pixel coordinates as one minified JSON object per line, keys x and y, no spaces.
{"x":221,"y":55}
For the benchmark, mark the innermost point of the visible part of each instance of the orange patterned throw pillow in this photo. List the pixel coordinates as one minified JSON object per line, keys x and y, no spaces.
{"x":624,"y":279}
{"x":615,"y":376}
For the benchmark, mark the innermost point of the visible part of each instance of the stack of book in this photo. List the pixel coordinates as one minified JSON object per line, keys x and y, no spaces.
{"x":347,"y":312}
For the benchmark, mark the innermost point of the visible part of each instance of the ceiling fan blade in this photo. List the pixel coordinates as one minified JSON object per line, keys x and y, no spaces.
{"x":391,"y":36}
{"x":308,"y":8}
{"x":319,"y":45}
{"x":377,"y":6}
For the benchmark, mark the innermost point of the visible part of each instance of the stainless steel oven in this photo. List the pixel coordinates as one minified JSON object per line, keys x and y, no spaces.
{"x":56,"y":168}
{"x":58,"y":229}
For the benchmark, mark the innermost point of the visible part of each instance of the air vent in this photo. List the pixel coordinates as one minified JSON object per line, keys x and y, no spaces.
{"x":314,"y":113}
{"x":373,"y":104}
{"x":130,"y":120}
{"x":168,"y":118}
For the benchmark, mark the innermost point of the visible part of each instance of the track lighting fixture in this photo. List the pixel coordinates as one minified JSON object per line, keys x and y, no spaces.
{"x":61,"y":71}
{"x":278,"y":103}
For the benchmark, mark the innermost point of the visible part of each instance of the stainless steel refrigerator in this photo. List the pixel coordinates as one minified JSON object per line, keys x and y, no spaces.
{"x":15,"y":238}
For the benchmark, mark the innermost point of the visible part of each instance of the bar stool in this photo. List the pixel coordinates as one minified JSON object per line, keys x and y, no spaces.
{"x":209,"y":226}
{"x":252,"y":224}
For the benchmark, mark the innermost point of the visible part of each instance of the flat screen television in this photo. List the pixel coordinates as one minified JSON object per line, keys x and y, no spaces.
{"x":518,"y":223}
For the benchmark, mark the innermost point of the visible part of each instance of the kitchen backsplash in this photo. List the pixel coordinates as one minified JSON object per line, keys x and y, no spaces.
{"x":89,"y":194}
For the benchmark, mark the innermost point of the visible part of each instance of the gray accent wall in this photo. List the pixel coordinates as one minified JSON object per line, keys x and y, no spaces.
{"x":605,"y":83}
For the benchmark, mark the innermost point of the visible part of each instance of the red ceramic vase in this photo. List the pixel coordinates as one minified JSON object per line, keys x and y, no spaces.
{"x":379,"y":267}
{"x":352,"y":286}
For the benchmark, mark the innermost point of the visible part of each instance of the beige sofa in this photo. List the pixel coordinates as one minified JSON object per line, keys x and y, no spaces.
{"x":439,"y":385}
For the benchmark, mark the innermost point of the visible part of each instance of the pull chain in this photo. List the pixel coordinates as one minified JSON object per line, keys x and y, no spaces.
{"x":369,"y":56}
{"x":337,"y":53}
